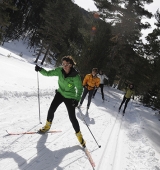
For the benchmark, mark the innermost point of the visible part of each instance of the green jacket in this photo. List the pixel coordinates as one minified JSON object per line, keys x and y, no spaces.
{"x":129,"y":93}
{"x":70,"y":85}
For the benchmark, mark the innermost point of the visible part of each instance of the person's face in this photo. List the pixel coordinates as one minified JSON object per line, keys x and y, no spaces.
{"x":131,"y":86}
{"x":94,"y":73}
{"x":66,"y":66}
{"x":100,"y":72}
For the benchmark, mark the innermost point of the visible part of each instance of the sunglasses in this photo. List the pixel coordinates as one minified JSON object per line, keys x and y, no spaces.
{"x":65,"y":65}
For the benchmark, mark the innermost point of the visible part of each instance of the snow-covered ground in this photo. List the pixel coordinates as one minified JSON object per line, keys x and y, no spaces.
{"x":129,"y":142}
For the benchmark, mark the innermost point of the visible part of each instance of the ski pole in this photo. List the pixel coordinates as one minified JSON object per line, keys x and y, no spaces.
{"x":91,"y":133}
{"x":38,"y":99}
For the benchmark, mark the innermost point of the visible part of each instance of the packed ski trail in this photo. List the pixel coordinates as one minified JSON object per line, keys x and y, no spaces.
{"x":129,"y":142}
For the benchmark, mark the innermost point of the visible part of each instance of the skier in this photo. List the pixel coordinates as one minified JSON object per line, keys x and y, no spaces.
{"x":90,"y":83}
{"x":102,"y":76}
{"x":130,"y":92}
{"x":69,"y":92}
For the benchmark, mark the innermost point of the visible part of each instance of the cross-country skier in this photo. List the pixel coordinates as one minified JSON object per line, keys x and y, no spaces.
{"x":130,"y":92}
{"x":69,"y":92}
{"x":90,"y":83}
{"x":102,"y":76}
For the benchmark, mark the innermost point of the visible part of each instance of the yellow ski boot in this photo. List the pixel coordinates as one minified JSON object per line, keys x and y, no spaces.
{"x":45,"y":128}
{"x":80,"y":139}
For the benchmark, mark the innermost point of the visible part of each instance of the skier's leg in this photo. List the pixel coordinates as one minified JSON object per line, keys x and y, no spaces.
{"x":125,"y":106}
{"x":94,"y":93}
{"x":89,"y":98}
{"x":58,"y":99}
{"x":74,"y":121}
{"x":85,"y":91}
{"x":71,"y":113}
{"x":124,"y":98}
{"x":101,"y":86}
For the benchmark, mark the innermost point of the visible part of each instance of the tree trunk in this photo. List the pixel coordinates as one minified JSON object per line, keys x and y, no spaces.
{"x":45,"y":56}
{"x":40,"y":51}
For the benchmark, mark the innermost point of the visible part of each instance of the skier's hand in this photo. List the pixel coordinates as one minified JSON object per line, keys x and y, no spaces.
{"x":85,"y":86}
{"x":75,"y":103}
{"x":37,"y":68}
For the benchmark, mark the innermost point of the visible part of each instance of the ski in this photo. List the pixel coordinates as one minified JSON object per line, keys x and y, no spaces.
{"x":89,"y":157}
{"x":33,"y":132}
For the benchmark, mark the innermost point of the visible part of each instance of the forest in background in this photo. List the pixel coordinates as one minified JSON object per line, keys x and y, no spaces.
{"x":109,"y":39}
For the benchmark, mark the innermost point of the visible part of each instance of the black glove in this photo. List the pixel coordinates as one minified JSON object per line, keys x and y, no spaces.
{"x":37,"y":68}
{"x":75,"y":103}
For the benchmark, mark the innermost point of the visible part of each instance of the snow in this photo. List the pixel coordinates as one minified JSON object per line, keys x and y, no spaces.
{"x":129,"y":142}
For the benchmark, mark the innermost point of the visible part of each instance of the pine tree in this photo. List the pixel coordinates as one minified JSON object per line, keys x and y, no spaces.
{"x":4,"y":16}
{"x":127,"y":46}
{"x":56,"y":24}
{"x":152,"y":50}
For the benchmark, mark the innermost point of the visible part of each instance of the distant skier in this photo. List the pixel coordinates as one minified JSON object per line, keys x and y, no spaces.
{"x":90,"y":83}
{"x":69,"y":92}
{"x":102,"y":76}
{"x":130,"y":92}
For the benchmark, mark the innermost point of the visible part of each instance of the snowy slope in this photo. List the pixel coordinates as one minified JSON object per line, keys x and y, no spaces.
{"x":129,"y":142}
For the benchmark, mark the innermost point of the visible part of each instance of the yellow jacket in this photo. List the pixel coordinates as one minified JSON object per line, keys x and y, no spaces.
{"x":91,"y":82}
{"x":129,"y":93}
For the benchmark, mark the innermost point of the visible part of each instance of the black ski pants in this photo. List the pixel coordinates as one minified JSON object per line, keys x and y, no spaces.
{"x":58,"y":99}
{"x":85,"y":91}
{"x":126,"y":100}
{"x":102,"y":93}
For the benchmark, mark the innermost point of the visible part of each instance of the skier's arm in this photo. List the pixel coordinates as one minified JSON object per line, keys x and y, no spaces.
{"x":50,"y":72}
{"x":133,"y":94}
{"x":79,"y":87}
{"x":97,"y":82}
{"x":85,"y":80}
{"x":106,"y":77}
{"x":44,"y":72}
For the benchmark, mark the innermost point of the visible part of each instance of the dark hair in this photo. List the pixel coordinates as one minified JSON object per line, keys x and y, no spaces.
{"x":95,"y":69}
{"x":68,"y":59}
{"x":132,"y":86}
{"x":101,"y":71}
